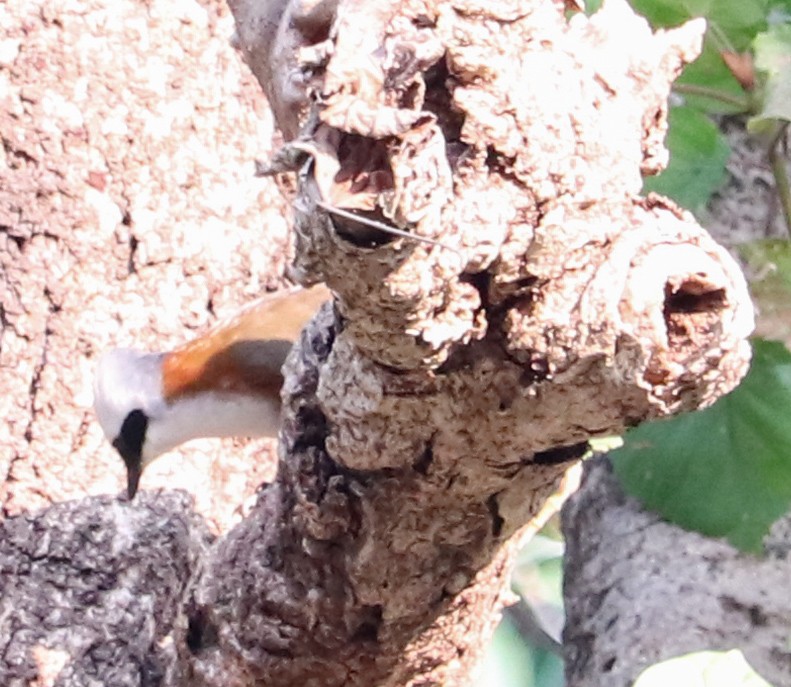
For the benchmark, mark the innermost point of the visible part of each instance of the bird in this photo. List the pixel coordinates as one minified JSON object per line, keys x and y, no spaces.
{"x":224,"y":383}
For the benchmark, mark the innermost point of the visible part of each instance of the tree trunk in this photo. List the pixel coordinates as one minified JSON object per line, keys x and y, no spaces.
{"x":129,"y":216}
{"x":434,"y":407}
{"x":640,"y":590}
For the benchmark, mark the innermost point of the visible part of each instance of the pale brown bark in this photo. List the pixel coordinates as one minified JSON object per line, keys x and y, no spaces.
{"x":430,"y":412}
{"x":129,"y":216}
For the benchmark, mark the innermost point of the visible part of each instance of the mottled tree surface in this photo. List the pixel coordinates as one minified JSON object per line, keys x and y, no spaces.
{"x":433,"y":408}
{"x":93,"y":589}
{"x":129,"y":216}
{"x":642,"y":591}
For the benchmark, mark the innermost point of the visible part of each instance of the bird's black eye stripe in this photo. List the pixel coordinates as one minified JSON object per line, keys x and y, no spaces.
{"x":129,"y":441}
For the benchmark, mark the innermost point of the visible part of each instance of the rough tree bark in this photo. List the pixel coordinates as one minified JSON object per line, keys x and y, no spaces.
{"x":432,"y":410}
{"x":641,"y":591}
{"x":129,"y":216}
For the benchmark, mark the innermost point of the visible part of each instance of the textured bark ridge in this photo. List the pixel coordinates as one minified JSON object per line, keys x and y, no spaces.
{"x":432,"y":410}
{"x":90,"y":591}
{"x":639,"y":590}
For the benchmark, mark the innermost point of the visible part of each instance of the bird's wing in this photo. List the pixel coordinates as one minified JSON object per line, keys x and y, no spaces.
{"x":244,"y":353}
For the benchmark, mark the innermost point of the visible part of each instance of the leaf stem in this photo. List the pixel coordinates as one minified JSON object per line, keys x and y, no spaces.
{"x":743,"y":103}
{"x":719,"y":37}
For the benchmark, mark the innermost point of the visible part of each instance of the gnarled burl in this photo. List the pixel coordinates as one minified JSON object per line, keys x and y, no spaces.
{"x":433,"y":409}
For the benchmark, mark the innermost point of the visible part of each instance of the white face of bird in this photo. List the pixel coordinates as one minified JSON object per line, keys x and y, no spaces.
{"x":127,"y":399}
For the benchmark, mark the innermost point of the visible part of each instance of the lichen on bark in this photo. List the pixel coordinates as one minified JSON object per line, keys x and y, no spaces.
{"x":433,"y":409}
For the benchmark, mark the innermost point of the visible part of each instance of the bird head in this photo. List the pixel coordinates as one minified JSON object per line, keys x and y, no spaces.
{"x":128,"y":403}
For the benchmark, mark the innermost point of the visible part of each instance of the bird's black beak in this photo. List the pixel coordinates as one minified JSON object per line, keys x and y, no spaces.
{"x":129,"y":443}
{"x":133,"y":473}
{"x":134,"y":465}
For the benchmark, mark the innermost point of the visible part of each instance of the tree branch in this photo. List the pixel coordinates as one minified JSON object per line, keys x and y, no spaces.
{"x":431,"y":413}
{"x":639,"y":590}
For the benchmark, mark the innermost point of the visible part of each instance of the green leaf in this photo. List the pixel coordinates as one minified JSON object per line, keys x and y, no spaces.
{"x":773,"y":58}
{"x":702,"y":669}
{"x":736,"y":21}
{"x":592,"y":6}
{"x":724,"y":471}
{"x":698,"y":153}
{"x":769,"y":272}
{"x":508,"y":661}
{"x":662,"y":13}
{"x":538,"y":578}
{"x":739,"y":21}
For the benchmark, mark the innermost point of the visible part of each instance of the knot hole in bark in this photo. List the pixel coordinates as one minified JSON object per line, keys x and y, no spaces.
{"x":561,"y":454}
{"x":691,"y":307}
{"x":364,"y":168}
{"x":368,"y":629}
{"x":201,"y":633}
{"x":439,"y":101}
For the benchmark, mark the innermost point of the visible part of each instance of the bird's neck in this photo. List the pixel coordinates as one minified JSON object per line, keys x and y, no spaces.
{"x":212,"y":414}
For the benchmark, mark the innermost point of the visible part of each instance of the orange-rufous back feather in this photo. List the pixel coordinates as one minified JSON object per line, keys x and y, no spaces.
{"x":244,"y":353}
